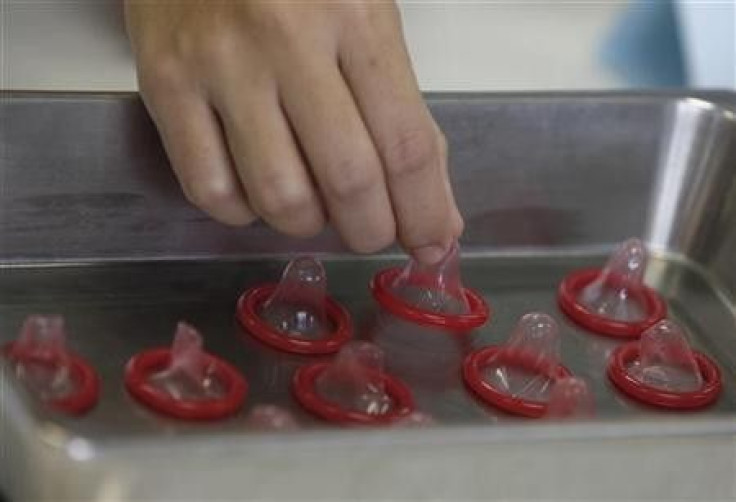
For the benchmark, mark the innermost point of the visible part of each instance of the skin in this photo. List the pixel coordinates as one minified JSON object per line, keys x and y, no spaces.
{"x":298,"y":113}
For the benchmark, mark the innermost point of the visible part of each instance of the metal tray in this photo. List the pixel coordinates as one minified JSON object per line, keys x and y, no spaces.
{"x":92,"y":226}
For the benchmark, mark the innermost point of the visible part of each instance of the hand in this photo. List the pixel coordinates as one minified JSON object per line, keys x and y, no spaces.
{"x":297,"y":112}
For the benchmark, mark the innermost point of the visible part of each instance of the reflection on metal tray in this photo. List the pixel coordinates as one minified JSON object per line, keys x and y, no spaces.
{"x":92,"y":226}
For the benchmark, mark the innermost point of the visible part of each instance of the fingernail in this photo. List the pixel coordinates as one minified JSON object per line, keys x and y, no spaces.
{"x":429,"y":255}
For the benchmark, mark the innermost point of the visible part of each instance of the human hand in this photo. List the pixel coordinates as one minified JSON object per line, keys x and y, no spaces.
{"x":297,"y":113}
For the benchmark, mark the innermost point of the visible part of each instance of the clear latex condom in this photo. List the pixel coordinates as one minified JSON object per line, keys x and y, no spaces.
{"x":184,"y":381}
{"x":55,"y":375}
{"x":296,"y":315}
{"x":663,"y":370}
{"x":614,"y":300}
{"x":353,"y":388}
{"x":570,"y":398}
{"x":416,"y":419}
{"x":517,"y":376}
{"x":431,"y":295}
{"x":269,"y":417}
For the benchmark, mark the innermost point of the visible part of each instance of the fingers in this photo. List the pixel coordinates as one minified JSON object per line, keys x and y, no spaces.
{"x":457,"y":223}
{"x":268,"y":161}
{"x":376,"y":65}
{"x":192,"y":138}
{"x":318,"y":114}
{"x":339,"y":149}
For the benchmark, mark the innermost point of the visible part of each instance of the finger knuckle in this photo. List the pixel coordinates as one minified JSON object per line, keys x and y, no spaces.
{"x":211,"y":194}
{"x":163,"y":76}
{"x":276,"y":19}
{"x":367,"y":18}
{"x":283,"y":203}
{"x":215,"y":49}
{"x":351,"y":179}
{"x":412,"y":151}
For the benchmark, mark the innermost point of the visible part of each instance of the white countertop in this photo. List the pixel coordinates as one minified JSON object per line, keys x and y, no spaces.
{"x":491,"y":45}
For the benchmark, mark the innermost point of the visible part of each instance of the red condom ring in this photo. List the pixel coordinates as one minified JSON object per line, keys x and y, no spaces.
{"x":143,"y":365}
{"x":572,"y":286}
{"x":250,"y":303}
{"x":381,"y":288}
{"x":305,"y":392}
{"x":626,"y":354}
{"x":477,"y":361}
{"x":88,"y":383}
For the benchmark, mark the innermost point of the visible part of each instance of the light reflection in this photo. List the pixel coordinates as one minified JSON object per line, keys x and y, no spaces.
{"x":80,"y":450}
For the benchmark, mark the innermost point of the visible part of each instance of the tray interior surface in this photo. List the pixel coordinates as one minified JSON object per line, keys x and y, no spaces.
{"x":115,"y":310}
{"x":94,"y":227}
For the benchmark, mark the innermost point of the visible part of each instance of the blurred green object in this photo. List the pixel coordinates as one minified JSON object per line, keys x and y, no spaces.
{"x":644,"y":47}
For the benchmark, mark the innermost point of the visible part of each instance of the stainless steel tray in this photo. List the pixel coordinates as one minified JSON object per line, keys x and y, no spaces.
{"x":92,"y":226}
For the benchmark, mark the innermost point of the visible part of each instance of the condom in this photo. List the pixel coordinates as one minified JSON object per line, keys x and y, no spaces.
{"x":614,"y":300}
{"x":184,"y":381}
{"x":431,"y":295}
{"x":570,"y":398}
{"x":296,"y":315}
{"x":269,"y":417}
{"x":661,"y":369}
{"x":517,"y":377}
{"x":353,"y":388}
{"x":52,"y":373}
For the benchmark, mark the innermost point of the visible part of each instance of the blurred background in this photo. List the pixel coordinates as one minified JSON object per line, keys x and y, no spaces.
{"x":456,"y":45}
